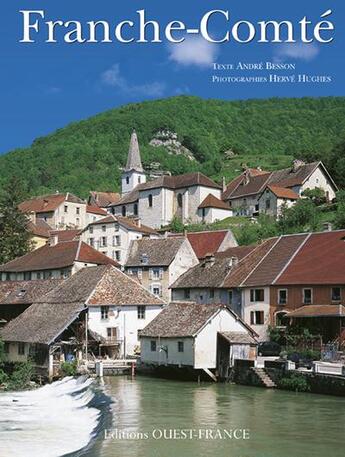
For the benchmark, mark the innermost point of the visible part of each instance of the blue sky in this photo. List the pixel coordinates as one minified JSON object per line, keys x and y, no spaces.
{"x":46,"y":86}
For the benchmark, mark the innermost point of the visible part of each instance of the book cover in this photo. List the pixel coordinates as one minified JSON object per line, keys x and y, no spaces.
{"x":172,"y":226}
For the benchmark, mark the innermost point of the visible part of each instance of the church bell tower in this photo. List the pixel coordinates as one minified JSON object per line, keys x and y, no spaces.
{"x":134,"y":173}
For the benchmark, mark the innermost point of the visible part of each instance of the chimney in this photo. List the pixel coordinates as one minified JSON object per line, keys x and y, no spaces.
{"x":224,"y":184}
{"x":138,"y":222}
{"x":32,"y":216}
{"x":209,"y":260}
{"x":327,"y":227}
{"x":53,"y":240}
{"x":233,"y":262}
{"x":246,"y":177}
{"x":296,"y":165}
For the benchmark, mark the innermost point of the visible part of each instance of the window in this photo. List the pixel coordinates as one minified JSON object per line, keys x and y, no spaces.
{"x":282,"y":297}
{"x":179,"y":200}
{"x":187,"y":294}
{"x":27,"y":276}
{"x":268,"y":203}
{"x":307,"y":296}
{"x":104,"y":312}
{"x":123,"y":210}
{"x":336,"y":294}
{"x":127,"y":179}
{"x":91,"y":242}
{"x":77,"y":210}
{"x":281,"y":320}
{"x":211,"y":293}
{"x":38,"y":275}
{"x":180,"y":346}
{"x":150,"y":199}
{"x":117,"y":255}
{"x":77,"y":222}
{"x":90,"y":229}
{"x":257,"y":295}
{"x":139,"y":179}
{"x":257,"y":318}
{"x":156,"y":290}
{"x":6,"y":348}
{"x":103,"y":241}
{"x":104,"y":228}
{"x":21,"y":348}
{"x":153,"y":346}
{"x":141,"y":311}
{"x":66,"y":209}
{"x":135,"y":209}
{"x":230,"y":297}
{"x":155,"y":273}
{"x":116,"y":240}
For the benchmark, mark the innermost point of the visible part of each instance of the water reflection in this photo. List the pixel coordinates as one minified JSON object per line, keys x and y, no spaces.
{"x":281,"y":424}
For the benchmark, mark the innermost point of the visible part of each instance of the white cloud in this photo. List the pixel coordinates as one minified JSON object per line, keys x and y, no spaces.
{"x":193,"y":51}
{"x":112,"y":77}
{"x":302,"y":51}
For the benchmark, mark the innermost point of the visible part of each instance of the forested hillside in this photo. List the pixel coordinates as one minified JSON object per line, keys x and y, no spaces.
{"x":222,"y":135}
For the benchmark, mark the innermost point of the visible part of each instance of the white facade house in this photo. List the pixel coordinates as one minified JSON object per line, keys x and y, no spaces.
{"x":94,"y":214}
{"x":157,"y":202}
{"x":245,"y":191}
{"x":59,"y":211}
{"x":186,"y":335}
{"x":113,"y":235}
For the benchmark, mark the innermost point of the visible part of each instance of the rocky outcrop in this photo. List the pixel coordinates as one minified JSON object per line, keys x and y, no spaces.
{"x":169,"y":140}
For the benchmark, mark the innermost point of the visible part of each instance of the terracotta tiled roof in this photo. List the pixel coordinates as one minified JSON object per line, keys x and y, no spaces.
{"x":289,"y":178}
{"x":282,"y":192}
{"x":66,"y":235}
{"x":238,"y":251}
{"x":103,"y":199}
{"x":116,"y":288}
{"x":237,"y":275}
{"x":255,"y":186}
{"x":125,"y":222}
{"x":55,"y":257}
{"x":321,"y":260}
{"x":213,"y":202}
{"x":207,"y":242}
{"x":96,"y":210}
{"x":318,"y":311}
{"x":275,"y":260}
{"x":159,"y":252}
{"x":47,"y":203}
{"x":40,"y":228}
{"x":180,"y":319}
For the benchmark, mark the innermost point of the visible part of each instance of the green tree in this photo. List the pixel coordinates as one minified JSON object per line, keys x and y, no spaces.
{"x":15,"y":239}
{"x":303,"y":216}
{"x":339,"y":219}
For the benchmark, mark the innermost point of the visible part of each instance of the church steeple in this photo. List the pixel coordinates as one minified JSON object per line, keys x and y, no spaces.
{"x":134,"y":159}
{"x":134,"y":173}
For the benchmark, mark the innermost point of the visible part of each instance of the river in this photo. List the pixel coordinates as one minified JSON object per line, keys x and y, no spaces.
{"x":134,"y":415}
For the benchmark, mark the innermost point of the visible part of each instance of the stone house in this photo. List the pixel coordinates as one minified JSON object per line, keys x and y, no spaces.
{"x":100,"y":301}
{"x":102,"y":199}
{"x":59,"y":211}
{"x":158,"y":263}
{"x":94,"y":214}
{"x":157,"y":202}
{"x":112,"y":236}
{"x":56,"y":261}
{"x":273,"y":199}
{"x":185,"y":336}
{"x":244,"y":191}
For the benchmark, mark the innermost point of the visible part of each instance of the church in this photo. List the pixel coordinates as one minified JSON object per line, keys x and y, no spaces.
{"x":191,"y":197}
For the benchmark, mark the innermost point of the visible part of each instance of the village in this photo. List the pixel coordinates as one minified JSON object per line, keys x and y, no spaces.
{"x":111,"y":288}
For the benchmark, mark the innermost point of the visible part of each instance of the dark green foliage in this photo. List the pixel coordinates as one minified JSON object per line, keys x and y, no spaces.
{"x":316,"y":195}
{"x":339,"y":219}
{"x":251,"y":232}
{"x":21,"y":376}
{"x":295,"y":382}
{"x":302,"y":217}
{"x":69,"y":368}
{"x":14,"y":236}
{"x":88,"y":155}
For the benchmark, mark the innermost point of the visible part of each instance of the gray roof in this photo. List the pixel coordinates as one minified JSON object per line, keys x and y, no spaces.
{"x":41,"y":323}
{"x":26,"y":292}
{"x":180,"y":320}
{"x":159,"y":251}
{"x":239,"y":337}
{"x":133,"y":159}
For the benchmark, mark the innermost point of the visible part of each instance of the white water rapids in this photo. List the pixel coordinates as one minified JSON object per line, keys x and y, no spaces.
{"x":51,"y":421}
